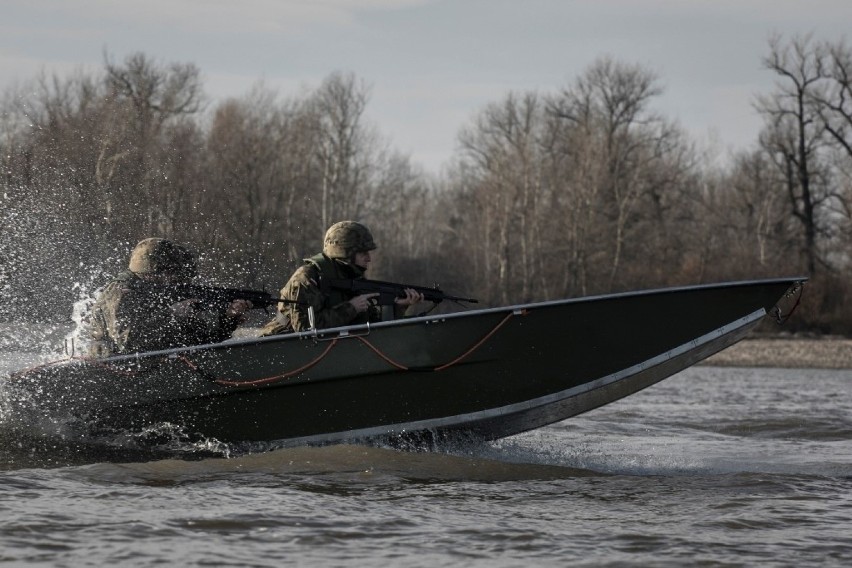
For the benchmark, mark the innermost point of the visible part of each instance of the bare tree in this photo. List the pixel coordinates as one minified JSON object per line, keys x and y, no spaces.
{"x":147,"y":96}
{"x":795,"y":136}
{"x":345,"y":146}
{"x":834,"y":101}
{"x":747,"y":229}
{"x":503,"y":148}
{"x":834,"y":97}
{"x":403,"y":219}
{"x":608,"y":106}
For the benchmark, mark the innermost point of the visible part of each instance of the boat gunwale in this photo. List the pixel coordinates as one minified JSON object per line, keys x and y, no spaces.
{"x":352,"y":331}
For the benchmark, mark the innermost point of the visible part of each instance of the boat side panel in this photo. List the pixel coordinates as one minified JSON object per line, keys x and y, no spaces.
{"x":418,"y":371}
{"x":531,"y":355}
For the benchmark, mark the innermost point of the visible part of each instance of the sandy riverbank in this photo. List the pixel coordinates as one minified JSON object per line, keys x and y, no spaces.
{"x":824,"y":353}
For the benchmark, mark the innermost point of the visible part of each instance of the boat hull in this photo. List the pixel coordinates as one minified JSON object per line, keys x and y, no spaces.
{"x":484,"y":374}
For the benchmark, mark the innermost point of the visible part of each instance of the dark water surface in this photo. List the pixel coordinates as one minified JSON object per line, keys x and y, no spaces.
{"x":712,"y":467}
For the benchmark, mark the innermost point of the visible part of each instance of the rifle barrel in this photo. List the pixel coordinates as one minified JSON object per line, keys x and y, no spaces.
{"x":435,"y":294}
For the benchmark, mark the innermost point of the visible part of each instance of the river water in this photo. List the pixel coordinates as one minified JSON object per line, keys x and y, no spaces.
{"x":714,"y":467}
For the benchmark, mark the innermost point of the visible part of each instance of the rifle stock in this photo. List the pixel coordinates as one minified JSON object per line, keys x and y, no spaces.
{"x":390,"y":291}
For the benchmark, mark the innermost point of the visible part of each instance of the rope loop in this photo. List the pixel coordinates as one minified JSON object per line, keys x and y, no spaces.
{"x":365,"y":341}
{"x":797,"y":288}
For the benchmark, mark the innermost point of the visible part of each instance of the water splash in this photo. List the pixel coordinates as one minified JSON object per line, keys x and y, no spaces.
{"x":77,"y":340}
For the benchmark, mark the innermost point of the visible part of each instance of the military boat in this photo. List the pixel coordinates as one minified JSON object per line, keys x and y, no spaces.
{"x":482,"y":374}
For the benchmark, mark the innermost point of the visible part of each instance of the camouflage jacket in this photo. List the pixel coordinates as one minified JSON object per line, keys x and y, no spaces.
{"x":131,"y":315}
{"x":331,"y":307}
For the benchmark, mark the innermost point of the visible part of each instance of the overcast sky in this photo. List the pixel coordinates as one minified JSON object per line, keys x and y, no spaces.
{"x":433,"y":64}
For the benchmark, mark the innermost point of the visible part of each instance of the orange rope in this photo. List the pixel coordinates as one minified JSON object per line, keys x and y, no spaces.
{"x":478,"y":344}
{"x":376,"y":350}
{"x":189,"y":362}
{"x":113,"y":368}
{"x":275,"y":378}
{"x":28,"y":370}
{"x":382,"y":355}
{"x":782,"y":319}
{"x":236,"y":383}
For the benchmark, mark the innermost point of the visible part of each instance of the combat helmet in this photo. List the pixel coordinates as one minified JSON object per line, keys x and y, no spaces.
{"x":158,"y":256}
{"x":344,"y":239}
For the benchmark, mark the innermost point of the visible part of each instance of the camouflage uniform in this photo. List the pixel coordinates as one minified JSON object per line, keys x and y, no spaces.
{"x":331,"y":307}
{"x":134,"y":315}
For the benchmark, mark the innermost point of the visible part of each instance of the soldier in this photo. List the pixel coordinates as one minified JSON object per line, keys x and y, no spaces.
{"x":138,"y":311}
{"x":345,"y":255}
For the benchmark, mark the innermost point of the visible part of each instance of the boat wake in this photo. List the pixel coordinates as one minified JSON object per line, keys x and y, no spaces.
{"x":32,"y":446}
{"x":166,"y":449}
{"x":346,"y":463}
{"x":165,"y":454}
{"x":29,"y":439}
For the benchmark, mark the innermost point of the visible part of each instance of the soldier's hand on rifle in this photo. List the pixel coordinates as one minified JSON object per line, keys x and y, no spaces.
{"x":412,"y":297}
{"x":238,"y":309}
{"x":362,"y":302}
{"x":184,"y":308}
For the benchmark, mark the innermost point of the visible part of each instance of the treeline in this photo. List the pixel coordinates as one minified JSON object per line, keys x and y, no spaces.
{"x":586,"y":189}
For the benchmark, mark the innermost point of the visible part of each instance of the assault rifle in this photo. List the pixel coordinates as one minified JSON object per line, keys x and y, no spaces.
{"x":216,"y":296}
{"x":389,"y":291}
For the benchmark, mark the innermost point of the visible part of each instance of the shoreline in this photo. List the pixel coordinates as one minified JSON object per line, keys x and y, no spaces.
{"x":822,"y":353}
